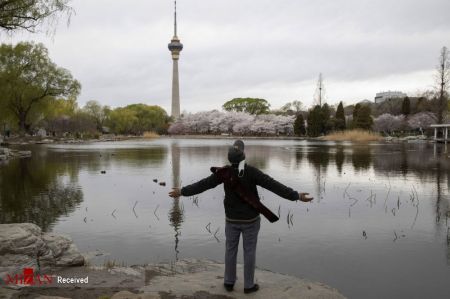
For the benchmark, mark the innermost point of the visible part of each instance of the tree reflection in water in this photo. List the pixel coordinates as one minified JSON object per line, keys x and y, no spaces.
{"x":319,"y":158}
{"x":361,"y":157}
{"x":339,"y":158}
{"x":34,"y":190}
{"x":45,"y":187}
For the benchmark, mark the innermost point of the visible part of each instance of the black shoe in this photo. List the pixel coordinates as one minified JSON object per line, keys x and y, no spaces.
{"x":228,"y":287}
{"x":252,"y":289}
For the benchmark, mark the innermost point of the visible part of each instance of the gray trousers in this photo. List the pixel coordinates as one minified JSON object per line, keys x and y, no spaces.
{"x":250,"y":237}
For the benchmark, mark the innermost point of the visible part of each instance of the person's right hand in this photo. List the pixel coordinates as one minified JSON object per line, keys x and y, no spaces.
{"x":304,"y":198}
{"x":175,"y":193}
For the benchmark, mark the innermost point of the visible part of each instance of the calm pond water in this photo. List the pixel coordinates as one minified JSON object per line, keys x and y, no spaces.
{"x":376,"y":229}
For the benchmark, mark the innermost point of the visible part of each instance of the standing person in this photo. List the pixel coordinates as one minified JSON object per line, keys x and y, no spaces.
{"x":241,"y":216}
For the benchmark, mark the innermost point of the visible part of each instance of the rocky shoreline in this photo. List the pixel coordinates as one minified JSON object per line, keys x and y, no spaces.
{"x":52,"y":255}
{"x":6,"y":154}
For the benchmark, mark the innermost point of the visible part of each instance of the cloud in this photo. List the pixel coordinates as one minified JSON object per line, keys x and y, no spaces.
{"x":269,"y":49}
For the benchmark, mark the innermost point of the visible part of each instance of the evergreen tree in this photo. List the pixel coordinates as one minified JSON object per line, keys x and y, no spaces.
{"x":299,"y":125}
{"x":315,"y":123}
{"x":406,"y":107}
{"x":327,"y":124}
{"x":355,"y":110}
{"x":340,"y":118}
{"x":363,"y":118}
{"x":355,"y":114}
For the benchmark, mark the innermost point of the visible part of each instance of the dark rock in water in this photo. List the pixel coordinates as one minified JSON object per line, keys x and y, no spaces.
{"x":5,"y":151}
{"x":155,"y":180}
{"x":162,"y":183}
{"x":103,"y":171}
{"x":24,"y":154}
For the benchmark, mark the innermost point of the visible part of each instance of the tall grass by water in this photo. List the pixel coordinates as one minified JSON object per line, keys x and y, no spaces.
{"x":150,"y":135}
{"x":356,"y":135}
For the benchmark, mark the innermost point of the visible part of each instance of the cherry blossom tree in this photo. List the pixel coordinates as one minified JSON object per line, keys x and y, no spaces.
{"x":177,"y":128}
{"x":421,"y":121}
{"x":388,"y":123}
{"x":241,"y":123}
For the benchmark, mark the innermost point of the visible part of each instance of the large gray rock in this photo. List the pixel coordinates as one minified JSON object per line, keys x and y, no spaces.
{"x":60,"y":251}
{"x":24,"y":244}
{"x":20,"y":238}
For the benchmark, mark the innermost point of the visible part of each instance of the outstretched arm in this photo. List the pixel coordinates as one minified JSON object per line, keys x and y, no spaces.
{"x":278,"y":188}
{"x":196,"y":188}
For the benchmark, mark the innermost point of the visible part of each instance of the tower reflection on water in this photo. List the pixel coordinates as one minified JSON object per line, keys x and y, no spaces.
{"x":176,"y":213}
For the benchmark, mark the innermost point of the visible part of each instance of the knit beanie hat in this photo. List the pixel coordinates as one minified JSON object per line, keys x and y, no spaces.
{"x":239,"y":144}
{"x":235,"y":155}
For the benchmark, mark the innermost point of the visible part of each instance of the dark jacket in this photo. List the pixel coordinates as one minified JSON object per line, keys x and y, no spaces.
{"x":235,"y":208}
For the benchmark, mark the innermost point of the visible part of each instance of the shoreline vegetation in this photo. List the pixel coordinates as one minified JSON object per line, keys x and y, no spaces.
{"x":355,"y":135}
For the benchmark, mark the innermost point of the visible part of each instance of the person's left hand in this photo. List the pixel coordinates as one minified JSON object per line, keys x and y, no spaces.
{"x":175,"y":193}
{"x":304,"y":198}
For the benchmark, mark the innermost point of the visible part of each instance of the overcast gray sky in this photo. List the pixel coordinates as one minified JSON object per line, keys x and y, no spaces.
{"x":242,"y":48}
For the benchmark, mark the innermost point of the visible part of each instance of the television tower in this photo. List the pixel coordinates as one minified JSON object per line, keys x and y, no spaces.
{"x":320,"y":91}
{"x":175,"y":48}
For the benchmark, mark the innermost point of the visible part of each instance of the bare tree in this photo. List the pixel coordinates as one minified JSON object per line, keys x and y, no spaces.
{"x":442,"y":78}
{"x":295,"y":106}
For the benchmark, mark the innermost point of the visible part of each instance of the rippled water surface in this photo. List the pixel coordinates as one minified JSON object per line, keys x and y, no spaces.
{"x":376,"y":229}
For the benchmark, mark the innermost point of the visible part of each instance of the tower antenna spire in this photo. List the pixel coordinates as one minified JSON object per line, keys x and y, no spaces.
{"x":175,"y":18}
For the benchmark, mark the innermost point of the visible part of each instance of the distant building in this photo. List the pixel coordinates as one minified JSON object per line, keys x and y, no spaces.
{"x":383,"y":96}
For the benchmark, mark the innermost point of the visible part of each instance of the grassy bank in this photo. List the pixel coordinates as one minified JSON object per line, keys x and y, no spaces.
{"x":150,"y":135}
{"x":353,"y":135}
